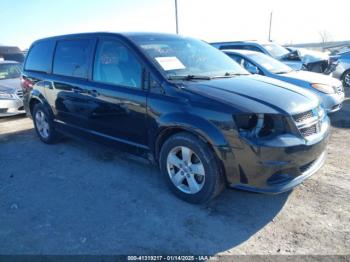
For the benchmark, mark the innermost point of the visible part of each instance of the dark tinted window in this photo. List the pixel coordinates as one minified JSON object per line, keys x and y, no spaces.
{"x":39,"y":57}
{"x":72,"y":57}
{"x":116,"y":64}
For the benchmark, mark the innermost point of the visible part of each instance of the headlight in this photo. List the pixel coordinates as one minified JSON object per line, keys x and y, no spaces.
{"x":5,"y":96}
{"x":323,"y":88}
{"x":260,"y":125}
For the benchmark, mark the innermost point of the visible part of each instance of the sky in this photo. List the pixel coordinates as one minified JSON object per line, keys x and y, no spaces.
{"x":294,"y":21}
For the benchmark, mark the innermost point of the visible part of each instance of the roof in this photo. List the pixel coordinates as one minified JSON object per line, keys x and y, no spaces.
{"x":5,"y":49}
{"x":239,"y":51}
{"x":8,"y":62}
{"x":129,"y":35}
{"x":242,"y":42}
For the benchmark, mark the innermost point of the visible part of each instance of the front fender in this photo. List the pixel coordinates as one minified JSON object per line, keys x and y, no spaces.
{"x":217,"y":136}
{"x":196,"y":125}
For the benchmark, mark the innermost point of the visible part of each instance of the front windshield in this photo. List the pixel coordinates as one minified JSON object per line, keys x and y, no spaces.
{"x":269,"y":63}
{"x":180,"y":56}
{"x":275,"y":50}
{"x":9,"y":71}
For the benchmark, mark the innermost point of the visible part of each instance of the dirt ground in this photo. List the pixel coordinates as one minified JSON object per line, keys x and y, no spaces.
{"x":79,"y":198}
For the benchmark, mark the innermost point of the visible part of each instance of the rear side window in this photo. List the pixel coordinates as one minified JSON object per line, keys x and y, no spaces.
{"x":40,"y":56}
{"x":72,"y":57}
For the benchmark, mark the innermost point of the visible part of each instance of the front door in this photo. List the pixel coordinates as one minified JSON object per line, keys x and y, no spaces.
{"x":118,"y":93}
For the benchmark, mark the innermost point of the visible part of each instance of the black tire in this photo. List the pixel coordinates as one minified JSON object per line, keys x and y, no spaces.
{"x":214,"y":181}
{"x":52,"y":136}
{"x":347,"y":73}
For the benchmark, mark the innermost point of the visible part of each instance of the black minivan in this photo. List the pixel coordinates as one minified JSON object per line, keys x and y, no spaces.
{"x":180,"y":103}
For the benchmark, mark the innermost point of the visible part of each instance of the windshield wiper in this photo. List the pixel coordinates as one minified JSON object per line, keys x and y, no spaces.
{"x":189,"y":77}
{"x":283,"y":72}
{"x":228,"y":75}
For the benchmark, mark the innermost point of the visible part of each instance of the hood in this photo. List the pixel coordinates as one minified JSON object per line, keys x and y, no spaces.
{"x":310,"y":56}
{"x":256,"y":94}
{"x":10,"y":85}
{"x":295,"y":65}
{"x":310,"y":78}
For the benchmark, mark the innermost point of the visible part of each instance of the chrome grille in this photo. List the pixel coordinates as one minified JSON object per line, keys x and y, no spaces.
{"x":308,"y":131}
{"x":19,"y":93}
{"x":309,"y":122}
{"x":303,"y":116}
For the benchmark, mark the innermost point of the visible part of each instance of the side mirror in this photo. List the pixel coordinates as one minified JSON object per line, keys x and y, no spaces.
{"x":293,"y":56}
{"x":252,"y":69}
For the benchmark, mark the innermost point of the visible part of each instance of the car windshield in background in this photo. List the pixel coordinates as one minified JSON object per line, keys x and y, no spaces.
{"x":180,"y":57}
{"x":269,"y":63}
{"x":9,"y":71}
{"x":275,"y":50}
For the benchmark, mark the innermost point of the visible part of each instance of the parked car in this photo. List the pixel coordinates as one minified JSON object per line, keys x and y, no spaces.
{"x":298,"y":59}
{"x":328,"y":89}
{"x":340,"y":67}
{"x":11,"y":53}
{"x":11,"y":94}
{"x":180,"y":103}
{"x":313,"y":60}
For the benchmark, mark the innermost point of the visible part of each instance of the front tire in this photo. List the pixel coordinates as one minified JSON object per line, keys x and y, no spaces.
{"x":43,"y":123}
{"x":191,"y":168}
{"x":346,"y":78}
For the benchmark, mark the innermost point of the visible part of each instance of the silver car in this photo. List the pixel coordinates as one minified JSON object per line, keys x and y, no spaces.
{"x":11,"y":94}
{"x":329,"y":90}
{"x":340,"y":67}
{"x":296,"y":58}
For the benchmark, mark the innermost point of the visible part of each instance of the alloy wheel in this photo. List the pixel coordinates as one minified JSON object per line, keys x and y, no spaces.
{"x":186,"y":170}
{"x":347,"y":79}
{"x":42,"y":124}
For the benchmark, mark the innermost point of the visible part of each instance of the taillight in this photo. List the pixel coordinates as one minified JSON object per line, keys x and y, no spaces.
{"x":26,"y":83}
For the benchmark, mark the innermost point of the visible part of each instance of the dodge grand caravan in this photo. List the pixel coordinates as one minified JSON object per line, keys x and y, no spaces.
{"x":182,"y":104}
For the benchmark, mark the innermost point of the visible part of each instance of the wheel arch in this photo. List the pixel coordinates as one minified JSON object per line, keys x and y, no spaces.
{"x":194,"y":125}
{"x":35,"y":98}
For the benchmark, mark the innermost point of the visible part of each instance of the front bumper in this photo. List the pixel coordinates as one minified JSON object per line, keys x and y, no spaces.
{"x":9,"y":107}
{"x":332,"y":102}
{"x":277,"y":167}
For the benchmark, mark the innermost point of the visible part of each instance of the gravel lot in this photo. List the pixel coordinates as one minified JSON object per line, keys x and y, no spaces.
{"x":81,"y":198}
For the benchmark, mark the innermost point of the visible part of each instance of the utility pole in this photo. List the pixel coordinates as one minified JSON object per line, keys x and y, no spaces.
{"x":270,"y":26}
{"x":176,"y":17}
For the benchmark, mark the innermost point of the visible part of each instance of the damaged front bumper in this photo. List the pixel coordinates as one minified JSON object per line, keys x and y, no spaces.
{"x":279,"y":165}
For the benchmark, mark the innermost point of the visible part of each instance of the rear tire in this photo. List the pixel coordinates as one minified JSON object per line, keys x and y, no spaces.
{"x":43,"y":122}
{"x":191,"y":168}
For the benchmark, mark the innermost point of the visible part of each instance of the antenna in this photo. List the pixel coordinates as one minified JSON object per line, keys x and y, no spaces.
{"x":176,"y":17}
{"x":270,"y":26}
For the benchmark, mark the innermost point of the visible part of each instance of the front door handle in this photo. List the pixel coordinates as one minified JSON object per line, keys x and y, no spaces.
{"x":94,"y":93}
{"x":78,"y":90}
